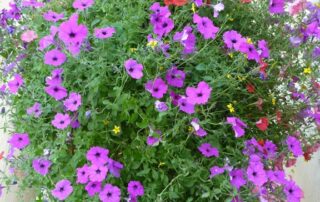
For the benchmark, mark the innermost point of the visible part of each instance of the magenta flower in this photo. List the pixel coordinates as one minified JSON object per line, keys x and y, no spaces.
{"x":104,"y":33}
{"x":277,"y":176}
{"x":97,"y":173}
{"x":1,"y":189}
{"x":73,"y":102}
{"x":92,"y":188}
{"x":161,"y":106}
{"x":53,"y":16}
{"x":237,"y":126}
{"x":61,"y":121}
{"x":236,"y":178}
{"x":207,"y":150}
{"x":175,"y":77}
{"x":153,"y":141}
{"x":269,"y":149}
{"x":110,"y":193}
{"x":293,"y":192}
{"x":114,"y":167}
{"x":294,"y":146}
{"x":29,"y":36}
{"x":98,"y":155}
{"x":19,"y":140}
{"x":75,"y":122}
{"x":264,"y":50}
{"x":164,"y":27}
{"x":233,"y":39}
{"x":250,"y":51}
{"x":82,"y":4}
{"x":199,"y":95}
{"x":187,"y":39}
{"x":257,"y":175}
{"x":198,"y":130}
{"x":55,"y":78}
{"x":54,"y":58}
{"x":62,"y":190}
{"x":175,"y":98}
{"x":185,"y":106}
{"x":135,"y":188}
{"x":83,"y":174}
{"x":45,"y":42}
{"x":15,"y":84}
{"x":56,"y":91}
{"x":32,"y":4}
{"x":156,"y":87}
{"x":133,"y":68}
{"x":41,"y":166}
{"x":276,"y":6}
{"x":205,"y":26}
{"x":216,"y":170}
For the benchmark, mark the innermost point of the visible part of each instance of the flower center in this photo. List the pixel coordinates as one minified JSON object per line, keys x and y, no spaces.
{"x":97,"y":155}
{"x":199,"y":94}
{"x":109,"y":194}
{"x":130,"y":69}
{"x":104,"y":33}
{"x":72,"y":35}
{"x":156,"y":89}
{"x":54,"y":58}
{"x":61,"y":189}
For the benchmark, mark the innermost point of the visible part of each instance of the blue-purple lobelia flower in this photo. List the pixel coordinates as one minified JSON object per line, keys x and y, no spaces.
{"x":175,"y":77}
{"x":294,"y":146}
{"x":205,"y":26}
{"x":187,"y":39}
{"x":237,"y":126}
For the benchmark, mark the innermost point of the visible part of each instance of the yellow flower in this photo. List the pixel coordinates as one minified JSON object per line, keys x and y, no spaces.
{"x":231,"y":19}
{"x":193,"y":8}
{"x":249,"y":40}
{"x":161,"y":68}
{"x":230,"y":55}
{"x":190,"y":129}
{"x":229,"y":76}
{"x":307,"y":70}
{"x":133,"y":50}
{"x":116,"y":130}
{"x":161,"y":164}
{"x":231,"y":108}
{"x":241,"y":78}
{"x":274,"y":101}
{"x":152,"y":43}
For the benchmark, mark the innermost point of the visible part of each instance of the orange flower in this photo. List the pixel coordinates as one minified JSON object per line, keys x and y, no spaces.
{"x":175,"y":2}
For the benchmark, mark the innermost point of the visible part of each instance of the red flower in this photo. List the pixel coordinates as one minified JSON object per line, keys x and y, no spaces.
{"x":263,"y":123}
{"x":245,"y":1}
{"x":263,"y":67}
{"x":279,"y":116}
{"x":250,"y":88}
{"x":175,"y":2}
{"x":1,"y":155}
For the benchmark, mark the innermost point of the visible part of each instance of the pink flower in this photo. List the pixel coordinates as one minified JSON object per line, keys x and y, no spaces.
{"x":134,"y":69}
{"x":199,"y":95}
{"x":156,"y":87}
{"x":28,"y":36}
{"x":104,"y":33}
{"x":61,"y":121}
{"x":73,"y":102}
{"x":15,"y":84}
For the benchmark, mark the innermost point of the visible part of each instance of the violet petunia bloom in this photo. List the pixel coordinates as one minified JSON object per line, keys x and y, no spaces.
{"x":175,"y":77}
{"x":62,"y":190}
{"x":269,"y":149}
{"x":217,"y":9}
{"x":19,"y":140}
{"x":114,"y":167}
{"x":198,"y":130}
{"x":156,"y":87}
{"x":104,"y":33}
{"x":237,"y":179}
{"x":61,"y":121}
{"x":135,"y":188}
{"x":35,"y":110}
{"x":263,"y":49}
{"x":32,"y":4}
{"x":198,"y":2}
{"x":73,"y":102}
{"x":233,"y":39}
{"x":110,"y":193}
{"x":294,"y":146}
{"x":1,"y":188}
{"x":98,"y":155}
{"x":133,"y":68}
{"x":187,"y":39}
{"x":161,"y":106}
{"x":293,"y":192}
{"x":82,"y":4}
{"x":53,"y":16}
{"x":41,"y":166}
{"x":175,"y":98}
{"x":250,"y":51}
{"x":205,"y":26}
{"x":15,"y":84}
{"x":276,"y":6}
{"x":29,"y":36}
{"x":54,"y":57}
{"x":45,"y":42}
{"x":277,"y":176}
{"x":153,"y":141}
{"x":237,"y":126}
{"x":164,"y":27}
{"x":207,"y":150}
{"x":199,"y":95}
{"x":316,"y":52}
{"x":295,"y":41}
{"x":83,"y":174}
{"x":216,"y":170}
{"x":55,"y":78}
{"x":97,"y":173}
{"x":56,"y":91}
{"x":257,"y":175}
{"x":93,"y":188}
{"x":185,"y":106}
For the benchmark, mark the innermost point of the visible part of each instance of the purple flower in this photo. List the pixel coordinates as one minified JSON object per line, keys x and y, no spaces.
{"x":92,"y":188}
{"x":250,"y":51}
{"x":293,"y":192}
{"x":55,"y":78}
{"x":54,"y":58}
{"x":162,"y":10}
{"x":56,"y":91}
{"x":237,"y":126}
{"x":270,"y":149}
{"x":198,"y":2}
{"x":294,"y":146}
{"x":217,"y":9}
{"x":160,"y":106}
{"x":97,"y":173}
{"x":62,"y":190}
{"x":1,"y":188}
{"x":104,"y":33}
{"x":277,"y":176}
{"x":276,"y":6}
{"x":205,"y":27}
{"x":264,"y":50}
{"x":295,"y":41}
{"x":73,"y":102}
{"x":257,"y":175}
{"x":45,"y":42}
{"x":19,"y":140}
{"x":53,"y":16}
{"x":316,"y":53}
{"x":110,"y":193}
{"x":41,"y":166}
{"x":35,"y":110}
{"x":133,"y":68}
{"x":175,"y":77}
{"x":175,"y":98}
{"x":135,"y":188}
{"x":208,"y":151}
{"x":164,"y":27}
{"x":114,"y":167}
{"x":83,"y":174}
{"x":199,"y":95}
{"x":61,"y":121}
{"x":185,"y":106}
{"x":153,"y":141}
{"x":198,"y":130}
{"x":236,"y":178}
{"x":98,"y":155}
{"x":82,"y":4}
{"x":216,"y":170}
{"x":233,"y":39}
{"x":32,"y":4}
{"x":156,"y":87}
{"x":187,"y":39}
{"x":15,"y":84}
